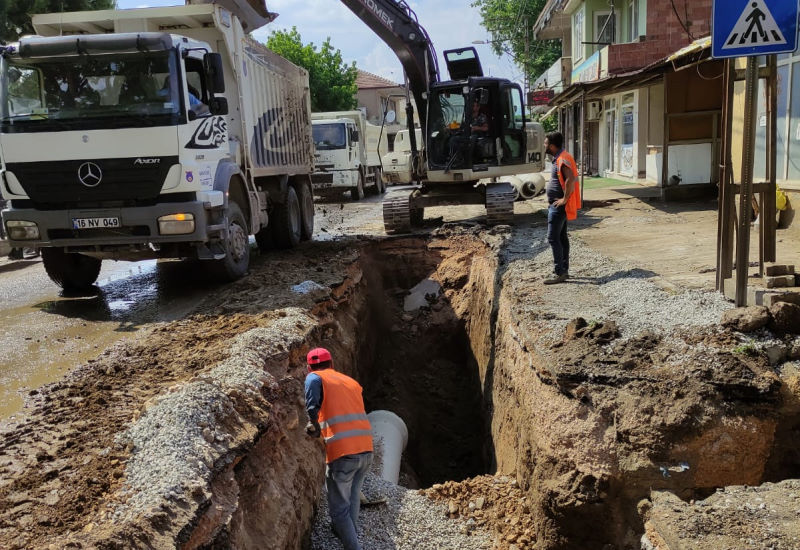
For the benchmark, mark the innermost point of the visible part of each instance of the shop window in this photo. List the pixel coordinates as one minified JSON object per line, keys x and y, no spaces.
{"x":794,"y":125}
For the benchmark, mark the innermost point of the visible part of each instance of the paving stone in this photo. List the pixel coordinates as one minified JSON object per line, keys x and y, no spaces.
{"x":775,"y":270}
{"x":780,"y":281}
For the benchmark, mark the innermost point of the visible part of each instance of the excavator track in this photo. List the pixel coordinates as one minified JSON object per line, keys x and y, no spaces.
{"x":499,"y":203}
{"x":397,"y":212}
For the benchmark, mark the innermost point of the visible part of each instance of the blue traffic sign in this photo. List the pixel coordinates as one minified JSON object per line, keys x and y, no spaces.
{"x":742,"y":28}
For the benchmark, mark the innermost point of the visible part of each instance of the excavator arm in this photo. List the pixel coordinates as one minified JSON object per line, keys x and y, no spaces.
{"x":397,"y":25}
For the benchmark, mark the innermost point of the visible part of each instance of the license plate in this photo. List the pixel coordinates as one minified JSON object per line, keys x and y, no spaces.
{"x":94,"y":223}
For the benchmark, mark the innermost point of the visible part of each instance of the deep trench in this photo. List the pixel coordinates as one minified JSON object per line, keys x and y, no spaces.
{"x":420,"y":365}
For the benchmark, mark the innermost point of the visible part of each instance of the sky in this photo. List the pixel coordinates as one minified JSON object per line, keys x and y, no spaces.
{"x":450,"y":24}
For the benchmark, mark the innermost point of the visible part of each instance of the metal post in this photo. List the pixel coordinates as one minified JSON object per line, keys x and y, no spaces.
{"x":725,"y":223}
{"x":583,"y":140}
{"x":665,"y":146}
{"x":745,"y":197}
{"x":768,"y":200}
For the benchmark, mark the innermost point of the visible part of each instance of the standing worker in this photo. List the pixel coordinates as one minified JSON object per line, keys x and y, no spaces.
{"x":564,"y":198}
{"x":336,"y":411}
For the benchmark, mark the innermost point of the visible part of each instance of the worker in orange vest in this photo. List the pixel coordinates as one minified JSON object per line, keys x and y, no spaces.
{"x":336,"y":411}
{"x":564,"y":198}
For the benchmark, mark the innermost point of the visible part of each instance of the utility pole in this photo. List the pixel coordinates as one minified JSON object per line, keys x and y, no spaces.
{"x":526,"y":65}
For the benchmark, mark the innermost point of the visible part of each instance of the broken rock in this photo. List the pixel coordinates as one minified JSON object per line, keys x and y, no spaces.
{"x":785,"y":318}
{"x":746,"y":319}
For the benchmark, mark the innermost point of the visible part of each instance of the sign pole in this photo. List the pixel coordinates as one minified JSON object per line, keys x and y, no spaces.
{"x":745,"y":197}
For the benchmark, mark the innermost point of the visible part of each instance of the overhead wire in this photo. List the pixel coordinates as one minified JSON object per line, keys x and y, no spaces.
{"x":683,"y":24}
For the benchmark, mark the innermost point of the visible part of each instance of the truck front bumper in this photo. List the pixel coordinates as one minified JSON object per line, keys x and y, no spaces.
{"x":345,"y":179}
{"x":138,"y":225}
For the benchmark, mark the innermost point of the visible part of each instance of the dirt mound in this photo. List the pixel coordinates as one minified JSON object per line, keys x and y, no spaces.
{"x":61,"y":469}
{"x":495,"y":503}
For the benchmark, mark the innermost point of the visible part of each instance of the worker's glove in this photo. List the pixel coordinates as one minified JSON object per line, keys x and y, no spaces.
{"x":313,"y":430}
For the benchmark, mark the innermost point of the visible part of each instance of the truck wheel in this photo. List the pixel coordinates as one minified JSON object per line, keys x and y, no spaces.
{"x":237,"y":247}
{"x":380,"y":186}
{"x":306,"y":198}
{"x":70,"y":271}
{"x":357,"y":192}
{"x":287,"y":221}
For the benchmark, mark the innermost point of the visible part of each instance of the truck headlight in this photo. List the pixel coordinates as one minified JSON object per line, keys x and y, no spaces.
{"x":19,"y":230}
{"x":176,"y":224}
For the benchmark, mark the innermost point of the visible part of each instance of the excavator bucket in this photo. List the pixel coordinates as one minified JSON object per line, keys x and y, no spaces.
{"x":252,"y":13}
{"x":463,"y":63}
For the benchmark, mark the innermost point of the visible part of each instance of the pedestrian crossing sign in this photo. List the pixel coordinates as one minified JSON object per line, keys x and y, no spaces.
{"x":742,"y":28}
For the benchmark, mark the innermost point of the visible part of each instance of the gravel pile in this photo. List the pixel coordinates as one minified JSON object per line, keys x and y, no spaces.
{"x":178,"y":438}
{"x":408,"y":521}
{"x":630,"y":295}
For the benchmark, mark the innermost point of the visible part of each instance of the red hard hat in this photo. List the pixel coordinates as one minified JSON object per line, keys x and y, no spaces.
{"x":317,"y":356}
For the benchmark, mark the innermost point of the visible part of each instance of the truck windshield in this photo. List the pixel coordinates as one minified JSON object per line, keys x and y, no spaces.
{"x":89,"y":92}
{"x":329,"y":136}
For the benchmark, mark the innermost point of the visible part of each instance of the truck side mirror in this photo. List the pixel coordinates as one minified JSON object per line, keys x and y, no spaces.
{"x":354,"y":135}
{"x":218,"y":106}
{"x":215,"y":77}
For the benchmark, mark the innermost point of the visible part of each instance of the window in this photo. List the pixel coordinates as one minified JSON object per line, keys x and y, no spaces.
{"x":70,"y":92}
{"x":627,"y":146}
{"x":604,"y":29}
{"x":632,"y":16}
{"x":517,"y":116}
{"x":329,"y":136}
{"x":577,"y":41}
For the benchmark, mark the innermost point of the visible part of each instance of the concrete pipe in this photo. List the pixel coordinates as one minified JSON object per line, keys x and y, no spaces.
{"x":516,"y":184}
{"x":532,"y":185}
{"x":393,"y":433}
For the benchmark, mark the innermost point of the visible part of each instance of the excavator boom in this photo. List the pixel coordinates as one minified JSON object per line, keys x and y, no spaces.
{"x":396,"y":24}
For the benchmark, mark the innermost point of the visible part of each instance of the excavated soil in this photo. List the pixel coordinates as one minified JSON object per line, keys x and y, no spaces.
{"x":535,"y":412}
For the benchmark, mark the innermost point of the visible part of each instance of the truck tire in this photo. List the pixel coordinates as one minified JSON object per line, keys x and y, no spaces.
{"x":237,"y":247}
{"x":357,"y":192}
{"x":287,"y":221}
{"x":70,"y":271}
{"x":306,"y":198}
{"x":380,"y":186}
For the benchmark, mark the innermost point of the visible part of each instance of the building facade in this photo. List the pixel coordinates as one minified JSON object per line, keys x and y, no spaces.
{"x":641,"y":78}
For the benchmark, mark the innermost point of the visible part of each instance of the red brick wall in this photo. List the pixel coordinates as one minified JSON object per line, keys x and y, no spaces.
{"x":665,"y":34}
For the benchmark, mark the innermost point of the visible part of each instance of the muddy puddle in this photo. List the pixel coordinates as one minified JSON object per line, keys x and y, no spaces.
{"x":53,"y":333}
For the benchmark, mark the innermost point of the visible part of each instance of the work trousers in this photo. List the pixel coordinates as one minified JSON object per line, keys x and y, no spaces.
{"x":557,"y":237}
{"x":344,"y":478}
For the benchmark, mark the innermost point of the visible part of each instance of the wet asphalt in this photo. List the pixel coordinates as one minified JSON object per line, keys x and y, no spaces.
{"x":44,"y":333}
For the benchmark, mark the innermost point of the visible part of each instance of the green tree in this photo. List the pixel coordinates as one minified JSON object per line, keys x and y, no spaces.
{"x":507,"y":21}
{"x":15,"y":15}
{"x":332,"y":81}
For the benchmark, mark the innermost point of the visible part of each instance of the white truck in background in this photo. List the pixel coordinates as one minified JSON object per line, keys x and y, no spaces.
{"x":398,"y":168}
{"x":348,"y":153}
{"x":153,"y":133}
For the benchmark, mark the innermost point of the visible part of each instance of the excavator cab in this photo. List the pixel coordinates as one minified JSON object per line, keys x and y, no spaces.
{"x":475,"y":125}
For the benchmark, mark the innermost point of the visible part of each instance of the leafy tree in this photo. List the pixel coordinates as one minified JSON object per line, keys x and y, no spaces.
{"x":15,"y":15}
{"x":332,"y":81}
{"x":506,"y":21}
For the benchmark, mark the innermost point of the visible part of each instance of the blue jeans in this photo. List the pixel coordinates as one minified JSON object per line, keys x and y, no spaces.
{"x":557,"y":237}
{"x":344,"y":478}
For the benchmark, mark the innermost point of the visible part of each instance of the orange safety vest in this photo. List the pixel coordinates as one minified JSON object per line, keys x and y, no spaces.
{"x":342,"y":418}
{"x":574,"y":201}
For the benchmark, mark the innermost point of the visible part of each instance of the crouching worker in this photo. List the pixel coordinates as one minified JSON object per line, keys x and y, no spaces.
{"x":336,"y":411}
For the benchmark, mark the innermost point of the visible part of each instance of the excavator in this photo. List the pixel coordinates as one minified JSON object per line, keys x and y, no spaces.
{"x":473,"y":126}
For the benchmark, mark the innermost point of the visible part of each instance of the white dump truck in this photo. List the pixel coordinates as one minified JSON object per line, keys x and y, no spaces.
{"x":398,"y":166}
{"x":348,"y":153}
{"x":153,"y":133}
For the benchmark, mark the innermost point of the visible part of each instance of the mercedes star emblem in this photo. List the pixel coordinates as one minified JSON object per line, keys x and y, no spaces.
{"x":90,"y":174}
